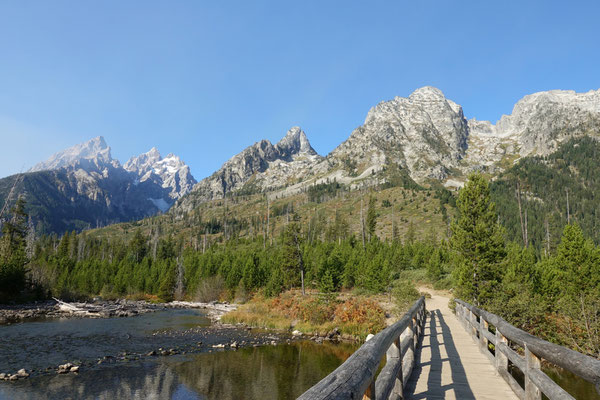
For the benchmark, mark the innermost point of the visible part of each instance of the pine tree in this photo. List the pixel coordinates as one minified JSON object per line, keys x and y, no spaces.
{"x":477,"y":242}
{"x":13,"y":257}
{"x":292,"y":259}
{"x":166,"y":290}
{"x":371,"y":218}
{"x":138,"y":246}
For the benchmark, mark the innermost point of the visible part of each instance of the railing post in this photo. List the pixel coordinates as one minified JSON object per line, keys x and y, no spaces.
{"x":501,"y":358}
{"x":532,"y":362}
{"x":395,"y":352}
{"x":473,"y":323}
{"x":483,"y":326}
{"x":413,"y":344}
{"x":415,"y":332}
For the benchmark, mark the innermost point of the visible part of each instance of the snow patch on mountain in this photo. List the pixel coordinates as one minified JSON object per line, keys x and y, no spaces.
{"x":170,"y":173}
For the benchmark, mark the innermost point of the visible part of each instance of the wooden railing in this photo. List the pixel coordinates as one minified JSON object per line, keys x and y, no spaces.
{"x":478,"y":322}
{"x":355,"y":378}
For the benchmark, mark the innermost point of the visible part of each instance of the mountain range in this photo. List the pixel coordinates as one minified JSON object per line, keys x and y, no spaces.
{"x":424,"y":138}
{"x":84,"y":187}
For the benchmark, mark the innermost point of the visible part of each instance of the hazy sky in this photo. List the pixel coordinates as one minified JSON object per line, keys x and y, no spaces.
{"x":206,"y":79}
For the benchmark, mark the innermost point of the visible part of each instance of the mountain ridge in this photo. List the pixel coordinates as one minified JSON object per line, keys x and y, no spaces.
{"x":426,"y":135}
{"x":83,"y":187}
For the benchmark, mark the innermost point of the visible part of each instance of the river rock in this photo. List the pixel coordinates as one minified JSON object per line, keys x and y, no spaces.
{"x":296,"y":333}
{"x":65,"y":368}
{"x":234,"y":345}
{"x":75,"y":368}
{"x":2,"y":376}
{"x":13,"y":377}
{"x":332,"y":333}
{"x":22,"y":373}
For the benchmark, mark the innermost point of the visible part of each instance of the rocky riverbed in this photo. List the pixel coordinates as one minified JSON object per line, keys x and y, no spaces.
{"x":101,"y":309}
{"x":66,"y":345}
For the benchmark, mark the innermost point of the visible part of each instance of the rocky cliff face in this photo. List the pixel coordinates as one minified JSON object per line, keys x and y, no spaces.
{"x":170,"y":173}
{"x":259,"y":167}
{"x":541,"y":121}
{"x":538,"y":124}
{"x":426,"y":135}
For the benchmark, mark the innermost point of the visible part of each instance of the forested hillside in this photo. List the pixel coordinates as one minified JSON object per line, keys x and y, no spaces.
{"x":328,"y":211}
{"x":57,"y":202}
{"x":547,"y":184}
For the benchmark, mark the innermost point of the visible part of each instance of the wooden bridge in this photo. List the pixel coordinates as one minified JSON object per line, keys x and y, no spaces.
{"x":431,"y":353}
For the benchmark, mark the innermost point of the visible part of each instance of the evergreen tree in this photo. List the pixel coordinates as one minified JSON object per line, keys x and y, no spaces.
{"x":477,"y":242}
{"x":166,"y":290}
{"x":137,"y":245}
{"x":292,"y":258}
{"x":575,"y":289}
{"x":371,"y":218}
{"x":13,"y":257}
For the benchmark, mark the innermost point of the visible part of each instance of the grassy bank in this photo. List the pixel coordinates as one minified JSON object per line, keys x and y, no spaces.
{"x":314,"y":314}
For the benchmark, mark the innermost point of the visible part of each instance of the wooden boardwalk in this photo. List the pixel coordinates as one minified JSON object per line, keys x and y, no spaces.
{"x":450,"y":364}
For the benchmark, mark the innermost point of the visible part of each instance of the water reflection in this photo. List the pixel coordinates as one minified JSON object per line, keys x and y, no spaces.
{"x":266,"y":372}
{"x":576,"y":386}
{"x":272,"y":372}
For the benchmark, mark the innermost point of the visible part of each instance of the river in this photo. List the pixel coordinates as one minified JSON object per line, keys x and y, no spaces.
{"x":117,"y":361}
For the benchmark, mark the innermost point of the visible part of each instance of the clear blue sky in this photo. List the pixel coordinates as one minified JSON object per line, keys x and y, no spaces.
{"x":205,"y":79}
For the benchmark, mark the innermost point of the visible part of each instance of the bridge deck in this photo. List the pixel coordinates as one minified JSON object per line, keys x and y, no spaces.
{"x":450,"y":365}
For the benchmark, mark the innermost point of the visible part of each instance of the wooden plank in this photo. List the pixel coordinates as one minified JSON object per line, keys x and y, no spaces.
{"x":584,"y":366}
{"x":513,"y":356}
{"x":490,"y":336}
{"x":386,"y":381}
{"x":450,"y":365}
{"x":501,"y":358}
{"x":532,"y":392}
{"x":483,"y":328}
{"x":514,"y":385}
{"x":390,"y":378}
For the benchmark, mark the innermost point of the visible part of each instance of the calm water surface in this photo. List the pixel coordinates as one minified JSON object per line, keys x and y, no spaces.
{"x":281,"y":371}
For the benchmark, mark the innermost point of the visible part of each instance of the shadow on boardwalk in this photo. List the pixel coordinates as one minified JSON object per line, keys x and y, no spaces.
{"x":443,"y":351}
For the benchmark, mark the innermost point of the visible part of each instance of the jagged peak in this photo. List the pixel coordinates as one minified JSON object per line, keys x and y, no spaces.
{"x":427,"y":92}
{"x":153,"y":151}
{"x":427,"y":98}
{"x":295,"y":142}
{"x":95,"y":148}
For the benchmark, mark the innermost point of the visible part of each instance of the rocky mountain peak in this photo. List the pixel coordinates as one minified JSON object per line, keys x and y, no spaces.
{"x":144,"y":162}
{"x":95,"y":150}
{"x":427,"y":93}
{"x":170,"y":172}
{"x":294,"y":142}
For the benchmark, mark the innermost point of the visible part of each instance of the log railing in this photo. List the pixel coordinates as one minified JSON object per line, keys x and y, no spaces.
{"x":355,"y":378}
{"x":478,"y":322}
